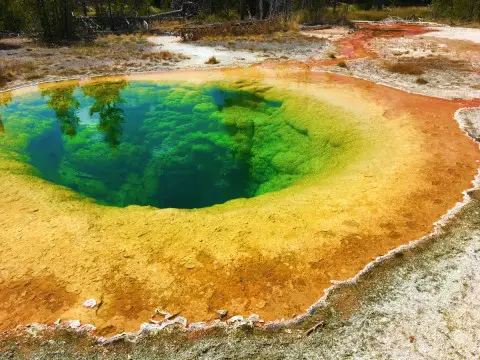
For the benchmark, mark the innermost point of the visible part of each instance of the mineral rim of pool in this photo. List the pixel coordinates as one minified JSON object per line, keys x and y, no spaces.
{"x":246,"y":190}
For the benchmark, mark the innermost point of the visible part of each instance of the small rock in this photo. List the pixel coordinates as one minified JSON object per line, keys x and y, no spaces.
{"x":86,"y":328}
{"x":222,"y":313}
{"x":113,"y":339}
{"x":90,"y":303}
{"x":73,"y":324}
{"x":238,"y":319}
{"x":161,"y":312}
{"x":181,"y":320}
{"x":254,"y":318}
{"x":148,"y":328}
{"x":34,"y":328}
{"x":197,"y":326}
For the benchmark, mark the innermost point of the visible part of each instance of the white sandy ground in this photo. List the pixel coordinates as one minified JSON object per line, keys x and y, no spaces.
{"x":455,"y":33}
{"x":198,"y":55}
{"x":442,"y":83}
{"x":328,"y":34}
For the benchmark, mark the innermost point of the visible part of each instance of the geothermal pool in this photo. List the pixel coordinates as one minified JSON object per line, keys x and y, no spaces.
{"x":165,"y":145}
{"x":246,"y":190}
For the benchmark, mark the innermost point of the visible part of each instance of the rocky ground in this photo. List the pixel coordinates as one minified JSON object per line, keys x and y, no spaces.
{"x":23,"y":62}
{"x":418,"y":303}
{"x":423,"y":64}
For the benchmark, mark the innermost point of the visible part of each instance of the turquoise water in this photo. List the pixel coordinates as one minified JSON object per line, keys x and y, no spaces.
{"x":147,"y":143}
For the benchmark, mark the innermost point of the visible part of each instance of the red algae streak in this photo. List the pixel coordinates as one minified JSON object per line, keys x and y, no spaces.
{"x":358,"y":45}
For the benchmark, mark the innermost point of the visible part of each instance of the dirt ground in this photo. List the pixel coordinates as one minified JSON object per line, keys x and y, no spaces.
{"x":418,"y":303}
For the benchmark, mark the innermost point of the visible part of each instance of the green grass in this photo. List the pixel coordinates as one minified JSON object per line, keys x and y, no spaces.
{"x":411,"y":12}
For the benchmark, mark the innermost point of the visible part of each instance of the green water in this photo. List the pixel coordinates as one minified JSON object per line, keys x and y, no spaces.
{"x":165,"y":145}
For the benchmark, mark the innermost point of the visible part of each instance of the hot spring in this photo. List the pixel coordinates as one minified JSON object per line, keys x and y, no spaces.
{"x":247,"y":190}
{"x":165,"y":145}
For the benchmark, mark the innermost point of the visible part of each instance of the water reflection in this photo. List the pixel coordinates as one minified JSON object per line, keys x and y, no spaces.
{"x":112,"y":117}
{"x":5,"y":99}
{"x":154,"y":144}
{"x":63,"y":102}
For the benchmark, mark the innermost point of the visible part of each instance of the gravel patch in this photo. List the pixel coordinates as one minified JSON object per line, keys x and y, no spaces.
{"x":456,"y":33}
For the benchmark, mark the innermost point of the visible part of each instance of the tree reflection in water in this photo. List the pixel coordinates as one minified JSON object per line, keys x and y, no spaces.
{"x":63,"y":102}
{"x":5,"y":99}
{"x":107,"y":98}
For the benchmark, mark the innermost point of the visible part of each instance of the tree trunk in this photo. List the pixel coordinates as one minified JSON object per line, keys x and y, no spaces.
{"x":67,"y":19}
{"x":242,"y":9}
{"x":260,"y":9}
{"x":84,"y":7}
{"x":272,"y":10}
{"x":112,"y":27}
{"x":44,"y":19}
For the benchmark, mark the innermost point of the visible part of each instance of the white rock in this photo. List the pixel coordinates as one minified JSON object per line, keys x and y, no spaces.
{"x":86,"y":328}
{"x":222,"y":313}
{"x":73,"y":324}
{"x":147,"y":327}
{"x":197,"y":326}
{"x":181,"y":320}
{"x":254,"y":318}
{"x":90,"y":303}
{"x":237,"y":319}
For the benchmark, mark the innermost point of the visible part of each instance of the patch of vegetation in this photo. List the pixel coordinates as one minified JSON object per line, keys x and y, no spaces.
{"x":418,"y":66}
{"x":405,"y":68}
{"x":212,"y":61}
{"x":342,"y":64}
{"x":255,"y":42}
{"x":228,"y":29}
{"x":463,"y":10}
{"x":9,"y":46}
{"x":10,"y":70}
{"x":421,"y":81}
{"x":409,"y":12}
{"x":5,"y":76}
{"x":106,"y":54}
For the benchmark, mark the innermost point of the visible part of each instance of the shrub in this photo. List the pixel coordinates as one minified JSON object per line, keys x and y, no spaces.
{"x":405,"y":68}
{"x":212,"y":61}
{"x":421,"y":81}
{"x":9,"y":71}
{"x":418,"y":66}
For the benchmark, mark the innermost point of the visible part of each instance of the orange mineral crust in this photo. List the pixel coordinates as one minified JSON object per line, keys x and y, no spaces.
{"x":273,"y":255}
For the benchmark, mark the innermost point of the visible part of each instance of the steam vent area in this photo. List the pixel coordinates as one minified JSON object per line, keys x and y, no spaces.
{"x":194,"y":191}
